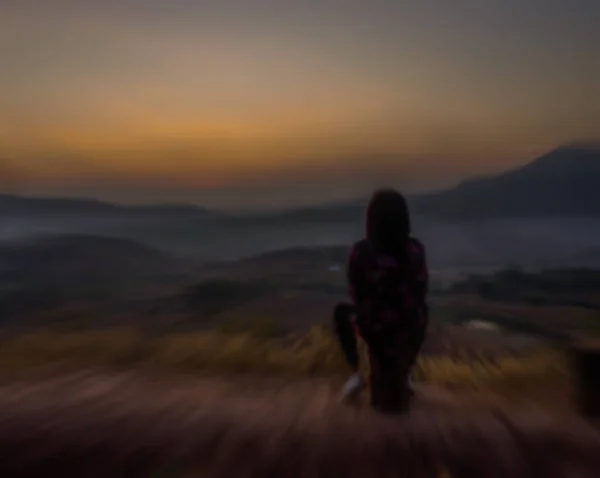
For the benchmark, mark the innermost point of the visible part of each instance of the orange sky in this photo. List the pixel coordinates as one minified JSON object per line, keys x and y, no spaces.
{"x":212,"y":103}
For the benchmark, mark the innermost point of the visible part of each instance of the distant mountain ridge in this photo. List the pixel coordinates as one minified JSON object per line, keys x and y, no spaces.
{"x":13,"y":205}
{"x":76,"y":256}
{"x":564,"y":182}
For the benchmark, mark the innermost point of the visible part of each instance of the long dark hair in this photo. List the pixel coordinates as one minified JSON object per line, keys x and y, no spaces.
{"x":388,"y":222}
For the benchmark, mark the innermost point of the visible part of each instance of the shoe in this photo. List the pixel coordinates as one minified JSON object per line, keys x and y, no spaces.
{"x":352,"y":388}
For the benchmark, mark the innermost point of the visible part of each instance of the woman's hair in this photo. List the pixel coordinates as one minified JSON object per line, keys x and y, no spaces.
{"x":388,"y":221}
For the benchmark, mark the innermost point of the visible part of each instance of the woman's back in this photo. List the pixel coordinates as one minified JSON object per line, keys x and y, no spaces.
{"x":387,"y":271}
{"x":388,"y":288}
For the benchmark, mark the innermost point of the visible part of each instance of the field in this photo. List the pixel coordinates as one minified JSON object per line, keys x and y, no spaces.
{"x":234,"y":365}
{"x":526,"y":377}
{"x":270,"y":315}
{"x":117,"y":403}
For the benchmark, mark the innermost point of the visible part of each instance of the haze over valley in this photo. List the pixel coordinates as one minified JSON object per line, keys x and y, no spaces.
{"x":545,"y":214}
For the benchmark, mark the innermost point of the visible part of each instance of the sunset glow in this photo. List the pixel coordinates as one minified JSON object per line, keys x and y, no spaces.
{"x":223,"y":99}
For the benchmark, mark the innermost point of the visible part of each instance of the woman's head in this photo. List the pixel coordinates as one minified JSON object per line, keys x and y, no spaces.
{"x":388,"y":220}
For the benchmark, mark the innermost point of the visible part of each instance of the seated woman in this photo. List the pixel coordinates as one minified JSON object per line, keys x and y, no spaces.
{"x":388,"y":280}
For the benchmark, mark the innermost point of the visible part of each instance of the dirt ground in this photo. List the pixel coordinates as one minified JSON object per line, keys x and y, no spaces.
{"x":95,"y":423}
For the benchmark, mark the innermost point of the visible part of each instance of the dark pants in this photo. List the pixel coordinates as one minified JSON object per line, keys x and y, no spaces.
{"x":390,"y":365}
{"x":342,"y":322}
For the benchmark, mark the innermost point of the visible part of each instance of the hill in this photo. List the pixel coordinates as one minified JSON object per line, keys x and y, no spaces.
{"x":295,"y":288}
{"x":54,"y":271}
{"x":12,"y":206}
{"x":51,"y":255}
{"x":553,"y":203}
{"x":564,"y":287}
{"x":564,"y":182}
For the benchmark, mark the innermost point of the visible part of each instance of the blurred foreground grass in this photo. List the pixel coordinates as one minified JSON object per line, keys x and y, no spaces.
{"x":217,"y":351}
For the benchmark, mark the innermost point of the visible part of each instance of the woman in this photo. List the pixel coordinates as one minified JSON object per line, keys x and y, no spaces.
{"x":388,"y":279}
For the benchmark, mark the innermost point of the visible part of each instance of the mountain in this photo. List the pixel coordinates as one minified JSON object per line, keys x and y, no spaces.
{"x":564,"y":182}
{"x":77,"y":262}
{"x":21,"y":206}
{"x":89,"y":275}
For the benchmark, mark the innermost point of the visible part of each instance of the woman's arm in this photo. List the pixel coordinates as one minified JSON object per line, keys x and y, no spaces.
{"x":421,"y":271}
{"x":355,"y":277}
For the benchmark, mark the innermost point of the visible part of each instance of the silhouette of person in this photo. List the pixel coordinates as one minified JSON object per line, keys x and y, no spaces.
{"x":388,"y":282}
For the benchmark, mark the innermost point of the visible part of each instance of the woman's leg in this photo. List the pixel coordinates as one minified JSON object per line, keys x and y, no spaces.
{"x":389,"y":383}
{"x":342,"y":321}
{"x":344,"y":329}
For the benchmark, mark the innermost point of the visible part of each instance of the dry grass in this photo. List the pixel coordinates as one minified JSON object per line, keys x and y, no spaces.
{"x":132,"y":425}
{"x":314,"y":354}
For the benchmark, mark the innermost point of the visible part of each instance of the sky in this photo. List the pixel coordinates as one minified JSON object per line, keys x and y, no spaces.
{"x":257,"y":103}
